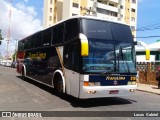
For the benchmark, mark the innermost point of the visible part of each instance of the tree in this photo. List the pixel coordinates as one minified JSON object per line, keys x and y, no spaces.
{"x":1,"y":37}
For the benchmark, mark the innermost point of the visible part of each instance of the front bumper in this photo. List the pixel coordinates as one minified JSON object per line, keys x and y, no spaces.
{"x":105,"y":91}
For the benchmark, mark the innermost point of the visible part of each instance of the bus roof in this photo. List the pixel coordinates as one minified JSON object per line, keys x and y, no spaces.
{"x":78,"y":17}
{"x":87,"y":17}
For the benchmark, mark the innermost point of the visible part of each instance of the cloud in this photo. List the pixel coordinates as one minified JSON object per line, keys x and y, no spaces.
{"x":30,"y":10}
{"x":26,"y":1}
{"x":23,"y":23}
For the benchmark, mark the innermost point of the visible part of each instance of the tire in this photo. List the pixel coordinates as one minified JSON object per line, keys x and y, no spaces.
{"x":59,"y":86}
{"x":23,"y":75}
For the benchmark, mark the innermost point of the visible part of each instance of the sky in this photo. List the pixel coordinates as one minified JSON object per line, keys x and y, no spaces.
{"x":27,"y":16}
{"x":148,"y":20}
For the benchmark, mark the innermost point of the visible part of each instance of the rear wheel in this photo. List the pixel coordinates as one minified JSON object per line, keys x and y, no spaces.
{"x":23,"y":74}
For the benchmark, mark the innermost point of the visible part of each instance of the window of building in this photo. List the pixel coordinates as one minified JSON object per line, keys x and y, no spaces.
{"x":120,"y":1}
{"x":133,"y":28}
{"x":133,"y":10}
{"x":50,"y":18}
{"x":132,"y":18}
{"x":74,"y":14}
{"x":106,"y":12}
{"x":75,"y":5}
{"x":121,"y":6}
{"x":111,"y":4}
{"x":51,"y":1}
{"x":133,"y":1}
{"x":51,"y":10}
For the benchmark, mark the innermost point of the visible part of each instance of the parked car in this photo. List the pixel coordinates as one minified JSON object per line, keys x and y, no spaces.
{"x":8,"y":64}
{"x":3,"y":63}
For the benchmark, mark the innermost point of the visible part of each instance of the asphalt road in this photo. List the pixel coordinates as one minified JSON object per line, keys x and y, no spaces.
{"x":19,"y":95}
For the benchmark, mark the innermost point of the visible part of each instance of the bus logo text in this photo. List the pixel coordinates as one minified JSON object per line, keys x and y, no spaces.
{"x":115,"y":78}
{"x":37,"y":55}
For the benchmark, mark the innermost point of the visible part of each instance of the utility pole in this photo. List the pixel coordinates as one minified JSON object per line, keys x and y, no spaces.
{"x":9,"y":29}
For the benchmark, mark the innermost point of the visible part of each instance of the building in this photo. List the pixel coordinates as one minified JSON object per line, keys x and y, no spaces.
{"x":52,"y":12}
{"x":116,"y":10}
{"x":154,"y":53}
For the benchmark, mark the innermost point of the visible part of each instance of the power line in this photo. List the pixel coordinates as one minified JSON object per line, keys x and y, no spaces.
{"x":151,"y":25}
{"x":148,"y":36}
{"x":151,"y":28}
{"x":145,"y":22}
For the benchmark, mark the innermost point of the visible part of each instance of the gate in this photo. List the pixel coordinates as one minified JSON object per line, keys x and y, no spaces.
{"x":147,"y":72}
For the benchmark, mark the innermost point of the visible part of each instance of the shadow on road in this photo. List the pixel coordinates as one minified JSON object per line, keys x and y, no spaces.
{"x":84,"y":103}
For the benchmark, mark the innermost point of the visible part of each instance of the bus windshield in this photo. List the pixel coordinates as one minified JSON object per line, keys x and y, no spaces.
{"x":110,"y":48}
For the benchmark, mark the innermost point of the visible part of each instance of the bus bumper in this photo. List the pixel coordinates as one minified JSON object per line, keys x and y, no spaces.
{"x":106,"y":91}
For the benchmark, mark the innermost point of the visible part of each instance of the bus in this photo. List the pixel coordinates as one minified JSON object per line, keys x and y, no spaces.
{"x":82,"y":56}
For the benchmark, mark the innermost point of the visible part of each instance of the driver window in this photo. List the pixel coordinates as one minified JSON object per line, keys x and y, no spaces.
{"x":71,"y":56}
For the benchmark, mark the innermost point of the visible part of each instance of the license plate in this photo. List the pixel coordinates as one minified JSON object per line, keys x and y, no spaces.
{"x":114,"y":92}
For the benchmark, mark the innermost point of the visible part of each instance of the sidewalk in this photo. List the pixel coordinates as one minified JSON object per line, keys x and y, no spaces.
{"x":148,"y":88}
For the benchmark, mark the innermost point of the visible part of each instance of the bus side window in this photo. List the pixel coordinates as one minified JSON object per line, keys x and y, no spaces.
{"x":38,"y":39}
{"x":25,"y":44}
{"x":60,"y":34}
{"x":32,"y":42}
{"x":54,"y":36}
{"x":47,"y":35}
{"x":71,"y":29}
{"x":21,"y":45}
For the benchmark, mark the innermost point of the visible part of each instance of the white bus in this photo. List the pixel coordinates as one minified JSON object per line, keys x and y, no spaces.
{"x":85,"y":57}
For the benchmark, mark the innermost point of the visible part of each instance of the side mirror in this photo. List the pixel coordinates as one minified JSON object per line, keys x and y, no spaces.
{"x":147,"y":54}
{"x":84,"y":45}
{"x":139,"y":43}
{"x":135,"y":43}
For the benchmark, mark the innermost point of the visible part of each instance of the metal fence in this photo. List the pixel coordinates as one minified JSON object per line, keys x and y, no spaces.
{"x":147,"y":72}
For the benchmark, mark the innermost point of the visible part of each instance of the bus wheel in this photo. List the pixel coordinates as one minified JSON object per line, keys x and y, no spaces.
{"x":59,"y":86}
{"x":23,"y":74}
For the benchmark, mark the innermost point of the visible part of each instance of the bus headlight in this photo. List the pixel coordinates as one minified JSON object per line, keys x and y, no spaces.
{"x":88,"y":83}
{"x":91,"y":83}
{"x":131,"y":82}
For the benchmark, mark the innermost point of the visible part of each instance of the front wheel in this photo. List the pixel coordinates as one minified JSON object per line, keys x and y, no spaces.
{"x":59,"y":86}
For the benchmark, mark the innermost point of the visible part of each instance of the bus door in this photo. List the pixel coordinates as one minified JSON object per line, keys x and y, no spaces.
{"x":72,"y":66}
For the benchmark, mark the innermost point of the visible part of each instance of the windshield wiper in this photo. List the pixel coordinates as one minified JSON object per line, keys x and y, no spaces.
{"x":121,"y":51}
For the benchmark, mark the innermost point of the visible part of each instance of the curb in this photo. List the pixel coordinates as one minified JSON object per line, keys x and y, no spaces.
{"x":148,"y":91}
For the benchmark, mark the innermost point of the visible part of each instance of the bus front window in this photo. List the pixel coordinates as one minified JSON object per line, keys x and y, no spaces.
{"x":110,"y":47}
{"x":106,"y":57}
